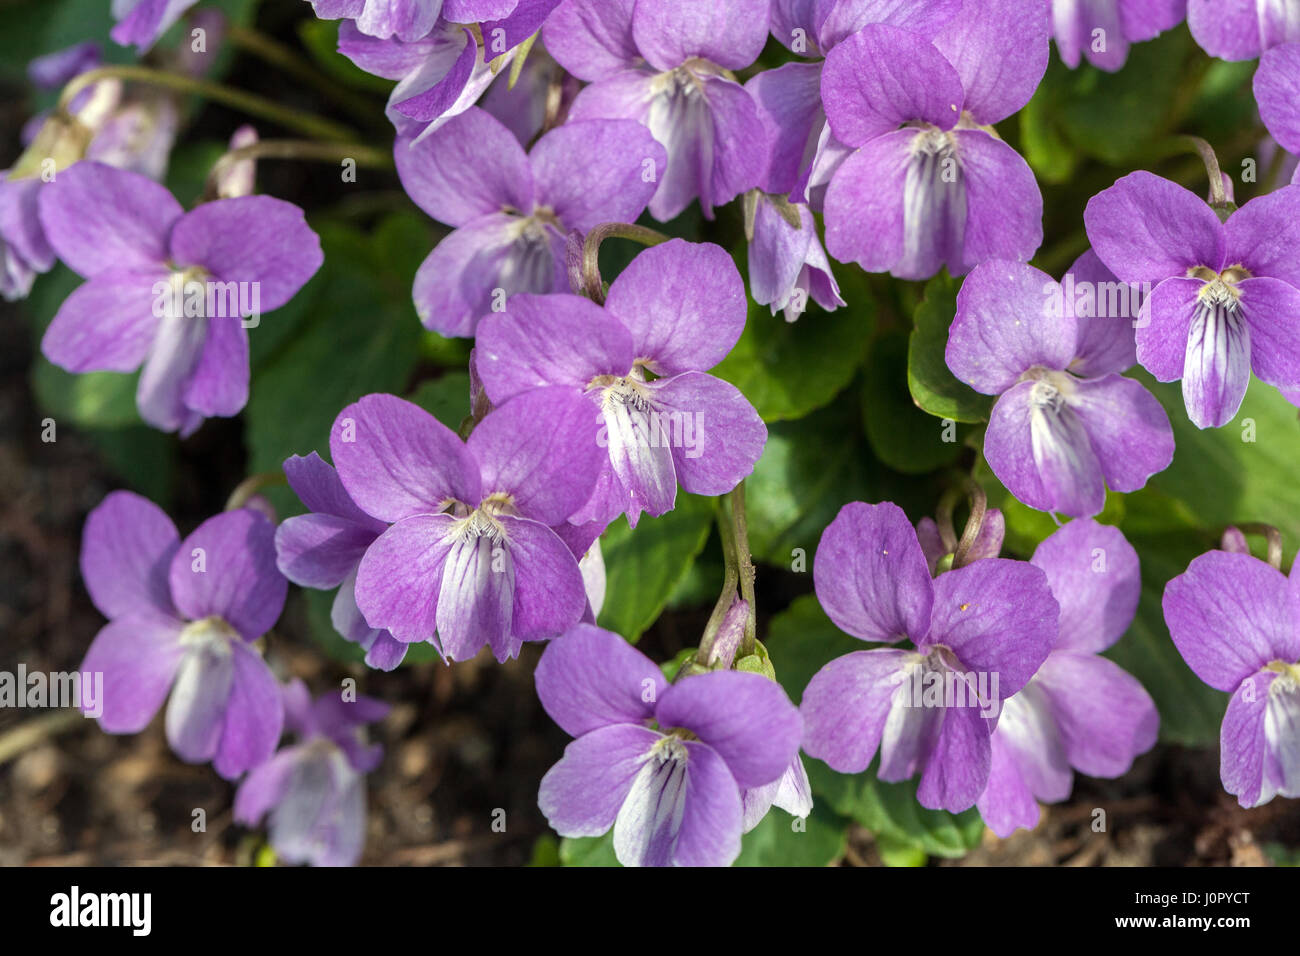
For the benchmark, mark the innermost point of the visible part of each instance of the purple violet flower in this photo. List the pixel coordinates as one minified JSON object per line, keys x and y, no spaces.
{"x":1236,"y":621}
{"x":1066,"y":424}
{"x":666,"y":64}
{"x":1103,"y":30}
{"x":788,"y":266}
{"x":676,"y":311}
{"x":142,"y":255}
{"x":315,"y":789}
{"x":1225,"y":293}
{"x":664,"y":764}
{"x":141,"y":22}
{"x":1080,"y":711}
{"x":981,"y":632}
{"x":804,"y":151}
{"x":411,"y":20}
{"x":183,"y":616}
{"x":470,"y":555}
{"x":444,"y":71}
{"x":322,"y":550}
{"x":1242,"y":29}
{"x":1277,"y":91}
{"x":512,"y":211}
{"x":929,"y":185}
{"x":987,"y":544}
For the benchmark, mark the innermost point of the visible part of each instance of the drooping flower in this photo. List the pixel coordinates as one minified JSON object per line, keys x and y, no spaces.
{"x":1277,"y":92}
{"x":676,"y":311}
{"x":141,"y":22}
{"x":470,"y":555}
{"x":1236,"y":622}
{"x":804,"y":151}
{"x":183,"y":616}
{"x":666,"y":63}
{"x":987,"y":543}
{"x":664,"y":765}
{"x":1080,"y":711}
{"x":1066,"y":424}
{"x":1242,"y":29}
{"x":981,"y":632}
{"x":315,"y":789}
{"x":512,"y":210}
{"x":928,"y":184}
{"x":1103,"y":30}
{"x":787,"y":266}
{"x":444,"y":71}
{"x":323,"y":549}
{"x":142,"y":255}
{"x":1225,"y":293}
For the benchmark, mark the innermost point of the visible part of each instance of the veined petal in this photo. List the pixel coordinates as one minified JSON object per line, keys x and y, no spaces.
{"x":1216,"y":370}
{"x":1271,"y":307}
{"x":847,"y":703}
{"x":226,"y":568}
{"x":126,"y":548}
{"x":1004,"y":209}
{"x":477,"y":598}
{"x":590,"y":678}
{"x":591,"y":39}
{"x":138,"y":655}
{"x":1094,"y":576}
{"x":549,"y":596}
{"x":639,"y":450}
{"x":1277,"y":91}
{"x":1127,"y":427}
{"x":715,"y":435}
{"x":584,"y":793}
{"x":197,"y":708}
{"x":1000,"y":50}
{"x":400,"y":577}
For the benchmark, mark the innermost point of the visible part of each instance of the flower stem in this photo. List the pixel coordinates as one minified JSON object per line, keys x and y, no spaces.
{"x":304,"y":149}
{"x":245,"y":102}
{"x":738,"y":573}
{"x":592,"y":286}
{"x":1272,"y":535}
{"x":1218,"y":197}
{"x":960,"y":549}
{"x":251,"y":485}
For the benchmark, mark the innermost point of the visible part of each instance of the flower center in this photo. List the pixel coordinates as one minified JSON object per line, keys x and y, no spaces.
{"x":210,"y":634}
{"x":1220,"y":289}
{"x":1288,"y":679}
{"x":482,"y":521}
{"x":1051,"y":387}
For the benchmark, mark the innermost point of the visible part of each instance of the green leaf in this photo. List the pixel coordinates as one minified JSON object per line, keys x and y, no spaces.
{"x":546,"y":851}
{"x":934,"y":388}
{"x":446,"y":398}
{"x":818,"y":841}
{"x":589,"y":851}
{"x":361,"y":335}
{"x":808,"y":471}
{"x":902,"y":436}
{"x":321,"y":39}
{"x":801,"y":640}
{"x":336,"y":647}
{"x":788,"y":369}
{"x":891,"y":812}
{"x":644,"y":566}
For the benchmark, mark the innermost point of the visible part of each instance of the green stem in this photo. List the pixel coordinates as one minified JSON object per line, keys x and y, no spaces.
{"x":251,"y":485}
{"x":592,"y":286}
{"x":730,"y":579}
{"x":284,"y":58}
{"x":249,"y":103}
{"x":745,"y":570}
{"x":302,"y":149}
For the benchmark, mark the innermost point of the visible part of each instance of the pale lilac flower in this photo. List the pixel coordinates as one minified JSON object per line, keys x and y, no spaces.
{"x":1236,"y":621}
{"x":322,"y":550}
{"x":1103,"y":30}
{"x":1242,"y":29}
{"x":135,"y":246}
{"x":542,"y":94}
{"x":513,"y":210}
{"x":141,"y":22}
{"x":1225,"y":294}
{"x":410,"y":20}
{"x":928,"y":185}
{"x":804,"y":151}
{"x":315,"y":789}
{"x":676,"y":311}
{"x":470,"y":555}
{"x":788,"y":266}
{"x":24,"y":250}
{"x":1277,"y":91}
{"x":1080,"y":711}
{"x":666,"y":63}
{"x":443,"y":72}
{"x":53,"y":70}
{"x":981,"y":631}
{"x":183,"y":616}
{"x":1066,"y":424}
{"x":664,"y":764}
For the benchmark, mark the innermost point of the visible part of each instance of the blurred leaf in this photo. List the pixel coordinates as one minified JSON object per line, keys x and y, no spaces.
{"x":589,"y":851}
{"x":336,"y":647}
{"x":902,"y":436}
{"x":934,"y":388}
{"x":141,"y":456}
{"x":321,"y":39}
{"x":546,"y":851}
{"x":644,"y":566}
{"x":446,"y":398}
{"x":890,"y":811}
{"x":788,"y":369}
{"x":776,"y":842}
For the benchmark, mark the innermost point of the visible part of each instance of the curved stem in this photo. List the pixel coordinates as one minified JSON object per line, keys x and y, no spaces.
{"x":305,"y":149}
{"x":1218,"y":197}
{"x":284,"y":58}
{"x":979,"y":503}
{"x":745,"y":563}
{"x":1272,"y":535}
{"x":592,"y":287}
{"x":249,"y":103}
{"x":251,"y":485}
